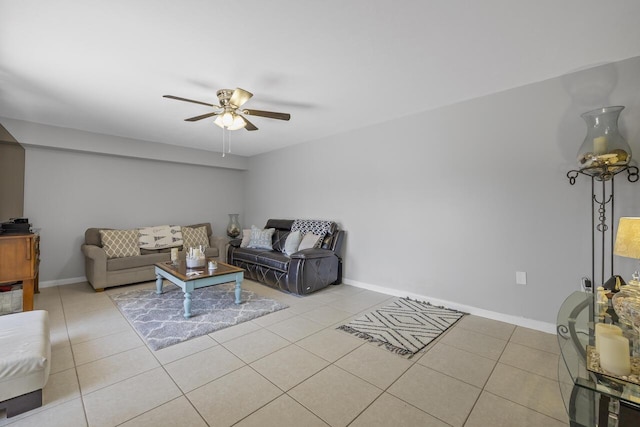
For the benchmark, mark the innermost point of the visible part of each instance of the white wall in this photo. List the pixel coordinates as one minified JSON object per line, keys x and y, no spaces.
{"x":67,"y":192}
{"x":451,"y":203}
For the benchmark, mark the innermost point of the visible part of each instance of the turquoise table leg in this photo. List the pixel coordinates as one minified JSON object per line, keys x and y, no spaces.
{"x":238,"y":288}
{"x":187,"y":305}
{"x":158,"y":284}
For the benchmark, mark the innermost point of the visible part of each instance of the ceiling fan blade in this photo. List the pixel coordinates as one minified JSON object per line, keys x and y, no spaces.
{"x":188,"y":100}
{"x":239,"y":97}
{"x":269,"y":114}
{"x":196,"y":118}
{"x":249,"y":126}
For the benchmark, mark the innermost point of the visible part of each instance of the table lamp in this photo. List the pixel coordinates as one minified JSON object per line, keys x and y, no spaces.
{"x":628,"y":242}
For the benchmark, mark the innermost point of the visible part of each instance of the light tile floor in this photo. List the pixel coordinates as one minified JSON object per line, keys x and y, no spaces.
{"x":290,"y":368}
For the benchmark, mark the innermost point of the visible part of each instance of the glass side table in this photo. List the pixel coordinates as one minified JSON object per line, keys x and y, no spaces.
{"x":591,"y":399}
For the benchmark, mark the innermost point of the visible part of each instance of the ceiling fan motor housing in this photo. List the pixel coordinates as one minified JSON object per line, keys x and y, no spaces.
{"x":224,"y":95}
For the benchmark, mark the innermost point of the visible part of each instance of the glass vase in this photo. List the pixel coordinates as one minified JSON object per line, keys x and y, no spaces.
{"x":604,"y":150}
{"x":233,"y":229}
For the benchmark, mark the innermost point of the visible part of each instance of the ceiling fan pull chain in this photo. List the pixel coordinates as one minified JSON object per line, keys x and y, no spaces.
{"x":224,"y":133}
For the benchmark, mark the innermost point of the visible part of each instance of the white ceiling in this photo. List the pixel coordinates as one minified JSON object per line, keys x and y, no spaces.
{"x":335,"y":65}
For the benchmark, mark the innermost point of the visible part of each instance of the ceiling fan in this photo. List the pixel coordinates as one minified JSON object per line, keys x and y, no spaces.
{"x":229,"y":112}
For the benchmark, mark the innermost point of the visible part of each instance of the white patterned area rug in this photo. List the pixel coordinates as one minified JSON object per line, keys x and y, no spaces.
{"x":159,"y":318}
{"x":405,"y":326}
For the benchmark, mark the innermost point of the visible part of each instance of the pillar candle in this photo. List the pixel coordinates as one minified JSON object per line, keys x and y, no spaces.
{"x":614,"y":354}
{"x":600,"y":145}
{"x":604,"y":328}
{"x":174,"y":254}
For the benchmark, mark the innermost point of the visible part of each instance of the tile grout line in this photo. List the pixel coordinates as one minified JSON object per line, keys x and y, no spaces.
{"x":482,"y":390}
{"x":296,"y":342}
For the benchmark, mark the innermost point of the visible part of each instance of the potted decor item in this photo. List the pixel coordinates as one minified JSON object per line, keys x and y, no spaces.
{"x":195,"y":257}
{"x":233,"y":229}
{"x":604,"y":150}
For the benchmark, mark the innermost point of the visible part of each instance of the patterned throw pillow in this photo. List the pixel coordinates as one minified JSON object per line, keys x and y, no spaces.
{"x":261,"y":239}
{"x":318,"y":227}
{"x":160,"y":237}
{"x":194,"y":237}
{"x":120,"y":243}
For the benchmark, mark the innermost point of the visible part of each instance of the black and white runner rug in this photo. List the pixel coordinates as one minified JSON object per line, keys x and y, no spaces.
{"x":405,"y":326}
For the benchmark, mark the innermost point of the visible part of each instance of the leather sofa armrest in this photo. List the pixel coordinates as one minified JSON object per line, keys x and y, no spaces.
{"x":312,"y":253}
{"x":219,"y":242}
{"x":312,"y":269}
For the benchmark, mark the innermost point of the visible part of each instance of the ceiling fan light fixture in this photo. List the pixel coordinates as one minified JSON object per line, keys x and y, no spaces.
{"x":227,"y":118}
{"x":218,"y":121}
{"x":238,"y":123}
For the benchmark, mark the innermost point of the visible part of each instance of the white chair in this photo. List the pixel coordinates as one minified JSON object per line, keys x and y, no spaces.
{"x":25,"y":360}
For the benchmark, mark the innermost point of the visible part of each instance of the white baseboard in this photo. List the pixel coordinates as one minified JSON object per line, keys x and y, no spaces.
{"x":52,"y":283}
{"x":494,"y":315}
{"x":514,"y":320}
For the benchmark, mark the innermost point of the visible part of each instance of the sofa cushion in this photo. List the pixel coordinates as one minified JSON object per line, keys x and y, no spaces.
{"x":262,"y":257}
{"x":194,"y":237}
{"x":261,"y":239}
{"x":115,"y":264}
{"x":272,"y":259}
{"x":144,"y":251}
{"x":120,"y":243}
{"x":247,"y":255}
{"x":160,"y":237}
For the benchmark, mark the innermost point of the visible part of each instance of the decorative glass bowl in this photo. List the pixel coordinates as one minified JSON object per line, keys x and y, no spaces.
{"x":196,"y":262}
{"x":622,"y":301}
{"x":195,"y":257}
{"x":604,"y":150}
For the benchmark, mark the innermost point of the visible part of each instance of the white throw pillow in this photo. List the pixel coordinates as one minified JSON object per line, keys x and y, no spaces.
{"x":246,"y":238}
{"x":309,"y":241}
{"x":292,"y":243}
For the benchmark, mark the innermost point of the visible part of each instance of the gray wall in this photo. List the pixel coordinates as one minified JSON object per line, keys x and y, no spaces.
{"x":451,"y":203}
{"x":11,"y":176}
{"x":447,"y":204}
{"x":67,"y":192}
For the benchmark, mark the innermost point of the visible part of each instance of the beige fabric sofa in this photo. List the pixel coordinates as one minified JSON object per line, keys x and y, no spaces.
{"x":103,"y":272}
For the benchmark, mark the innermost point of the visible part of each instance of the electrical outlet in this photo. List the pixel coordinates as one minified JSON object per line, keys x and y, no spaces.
{"x":521,"y":278}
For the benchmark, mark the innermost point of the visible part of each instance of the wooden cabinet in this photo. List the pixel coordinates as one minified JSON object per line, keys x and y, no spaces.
{"x":19,"y":261}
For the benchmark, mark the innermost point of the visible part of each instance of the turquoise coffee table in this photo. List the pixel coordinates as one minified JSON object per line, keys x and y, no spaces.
{"x":178,"y":274}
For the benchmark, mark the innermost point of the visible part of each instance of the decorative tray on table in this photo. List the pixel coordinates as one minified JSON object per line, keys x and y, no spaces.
{"x":593,"y":365}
